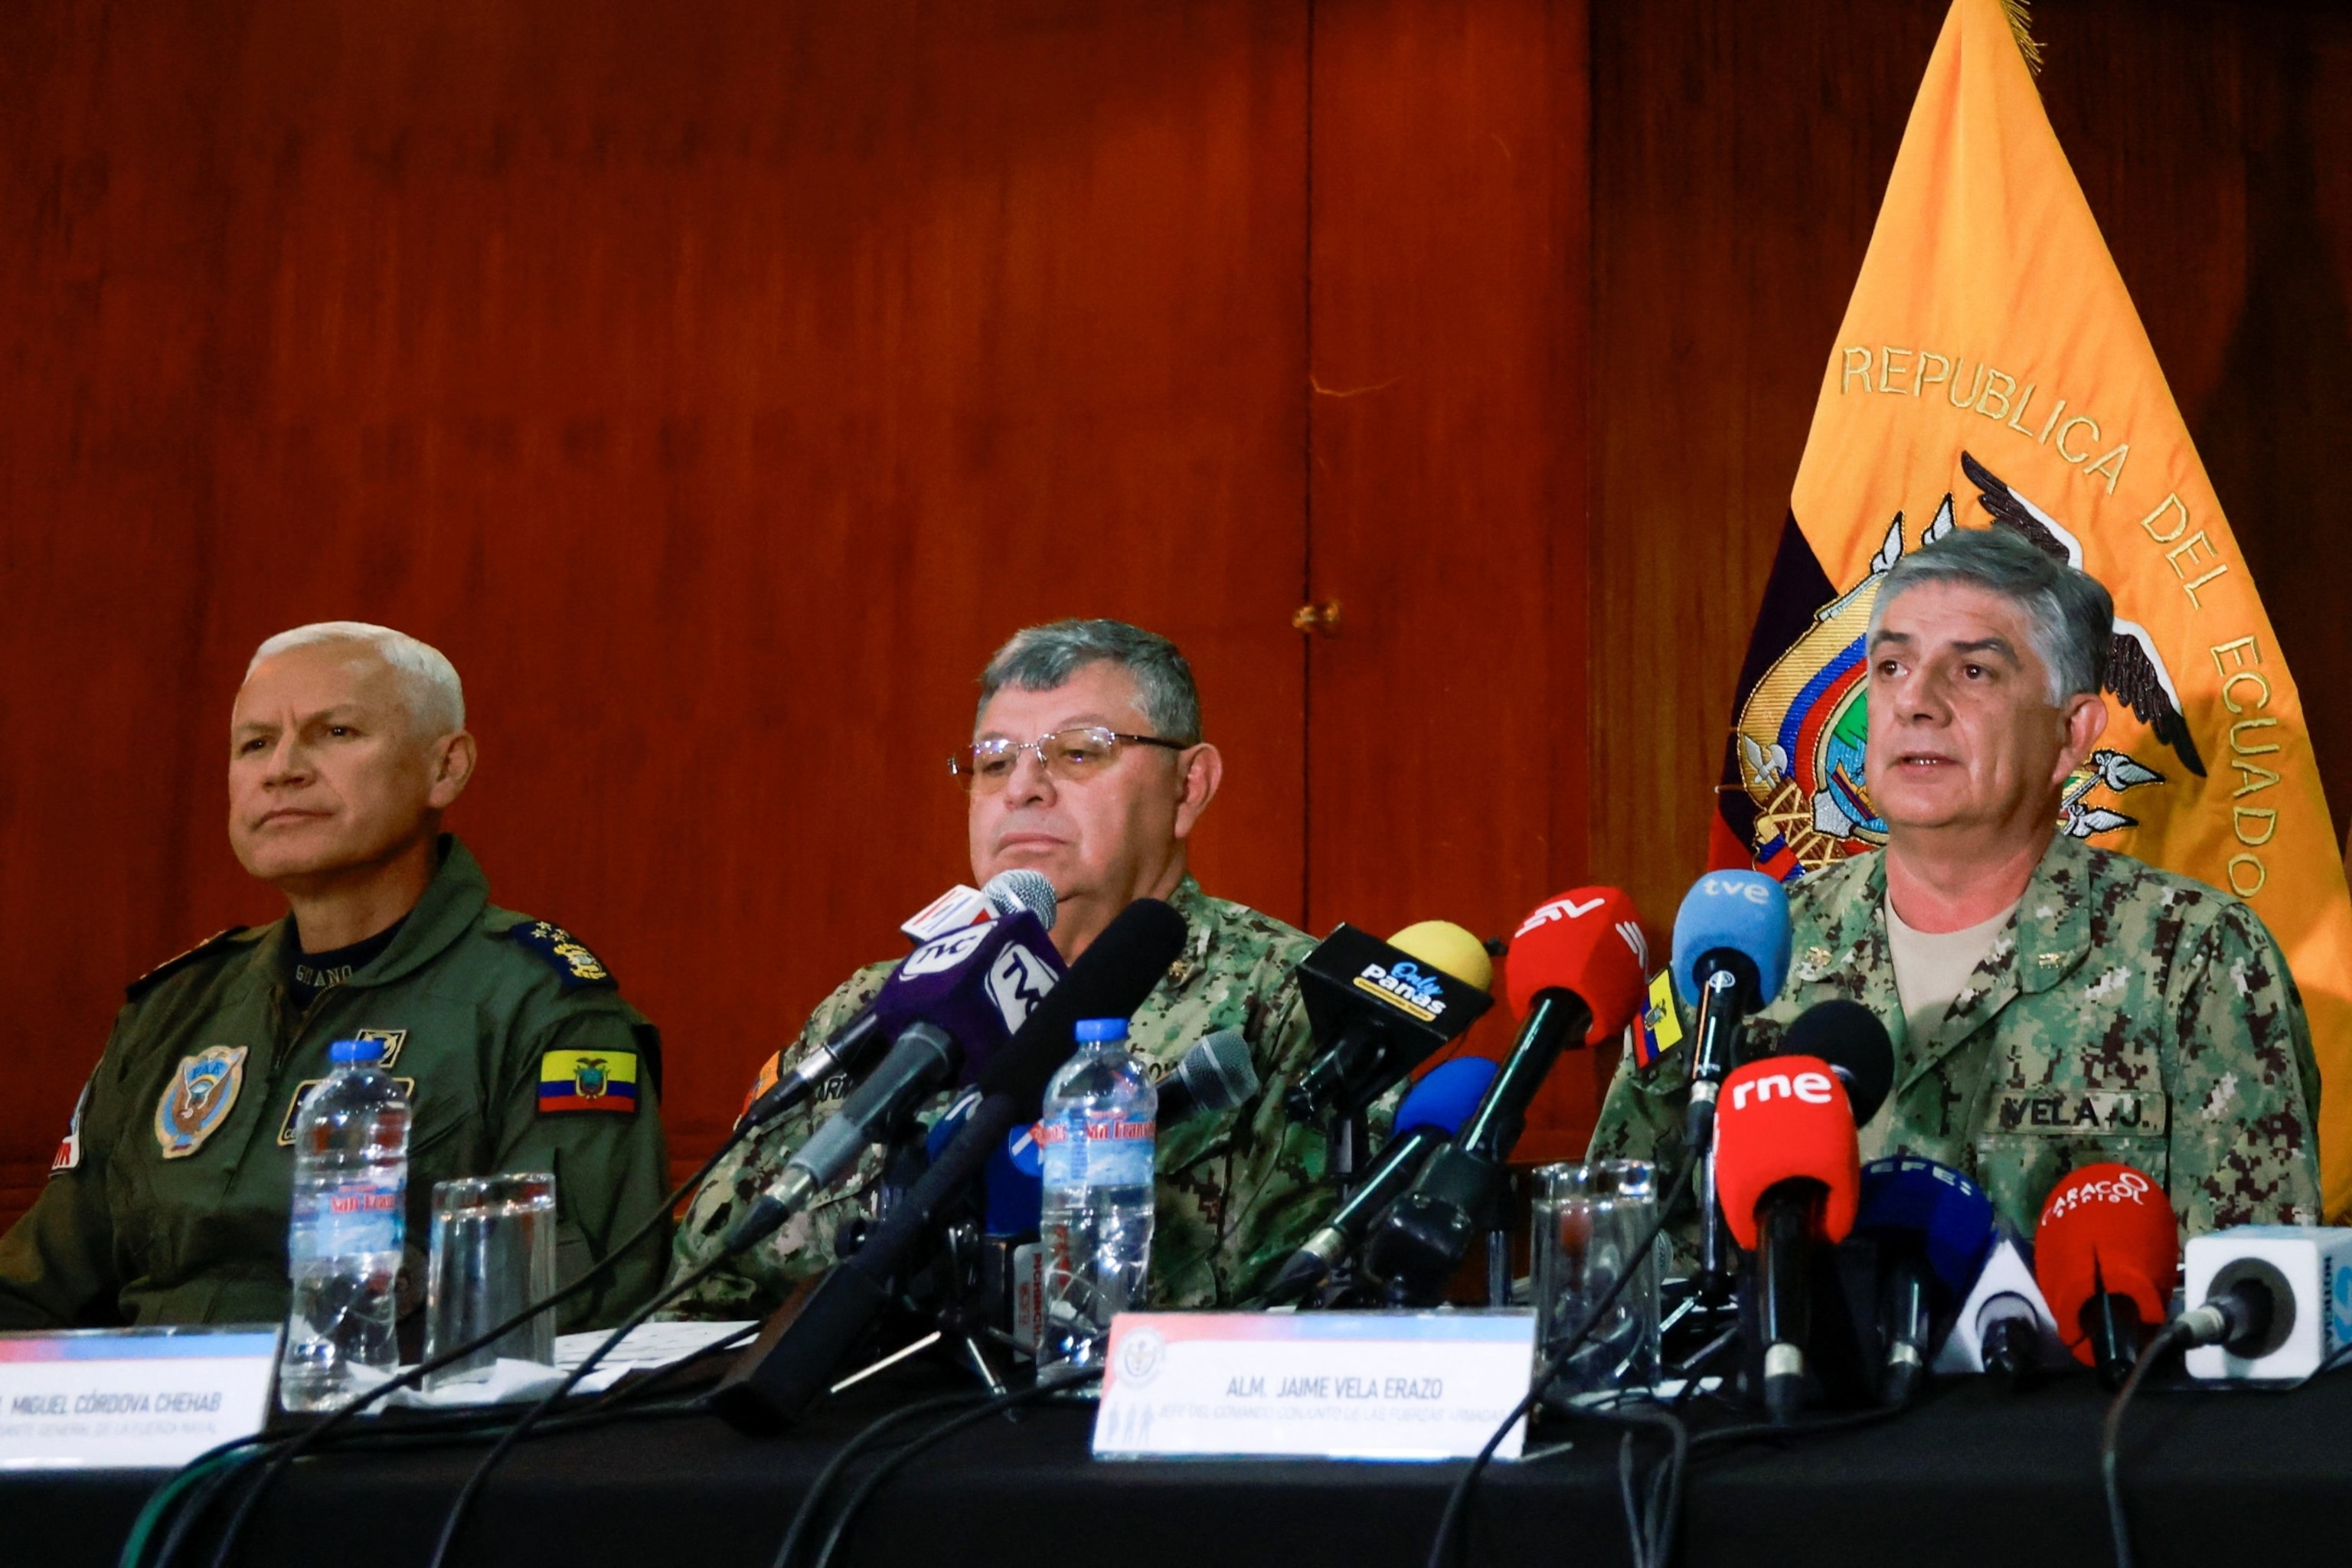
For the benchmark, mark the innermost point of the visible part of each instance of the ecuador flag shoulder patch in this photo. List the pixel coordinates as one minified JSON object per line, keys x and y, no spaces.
{"x":588,"y":1080}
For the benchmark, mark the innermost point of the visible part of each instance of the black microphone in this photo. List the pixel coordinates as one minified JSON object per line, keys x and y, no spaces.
{"x":915,"y":1069}
{"x":1215,"y":1075}
{"x":1425,"y":1123}
{"x":1378,"y":1009}
{"x":784,"y":1373}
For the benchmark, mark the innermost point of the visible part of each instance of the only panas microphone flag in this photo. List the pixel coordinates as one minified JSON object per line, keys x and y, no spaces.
{"x":1991,"y":371}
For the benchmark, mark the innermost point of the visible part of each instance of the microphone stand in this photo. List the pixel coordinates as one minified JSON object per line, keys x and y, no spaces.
{"x":1344,"y":1144}
{"x":1708,"y":1067}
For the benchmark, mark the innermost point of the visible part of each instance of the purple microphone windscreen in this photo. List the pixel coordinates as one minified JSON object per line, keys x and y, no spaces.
{"x":979,"y":983}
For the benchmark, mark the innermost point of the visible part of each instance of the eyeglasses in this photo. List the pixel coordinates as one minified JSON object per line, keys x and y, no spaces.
{"x":1078,"y":752}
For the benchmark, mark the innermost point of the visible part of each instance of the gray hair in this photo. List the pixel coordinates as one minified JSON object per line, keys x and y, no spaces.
{"x":1040,"y":658}
{"x":2070,"y":616}
{"x":437,"y":698}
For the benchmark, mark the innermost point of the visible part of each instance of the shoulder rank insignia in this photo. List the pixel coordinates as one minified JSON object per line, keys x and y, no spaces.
{"x":588,"y":1080}
{"x":565,"y":953}
{"x":198,"y":1099}
{"x":171,"y":966}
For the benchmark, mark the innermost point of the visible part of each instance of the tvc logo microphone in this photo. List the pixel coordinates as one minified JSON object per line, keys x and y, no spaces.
{"x":915,"y":991}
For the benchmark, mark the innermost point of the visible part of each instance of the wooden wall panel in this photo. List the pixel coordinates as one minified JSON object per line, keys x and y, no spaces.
{"x":715,"y":386}
{"x":1447,"y":520}
{"x":1739,"y":156}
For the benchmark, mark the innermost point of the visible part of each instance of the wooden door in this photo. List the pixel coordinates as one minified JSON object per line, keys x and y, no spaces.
{"x":1446,"y":732}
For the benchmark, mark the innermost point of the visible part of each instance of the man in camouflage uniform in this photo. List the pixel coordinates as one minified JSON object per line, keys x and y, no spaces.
{"x":1102,"y":802}
{"x":2112,"y":1012}
{"x":168,"y":1201}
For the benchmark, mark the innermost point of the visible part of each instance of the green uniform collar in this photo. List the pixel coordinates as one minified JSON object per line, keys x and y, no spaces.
{"x":2046,"y":937}
{"x":453,"y":901}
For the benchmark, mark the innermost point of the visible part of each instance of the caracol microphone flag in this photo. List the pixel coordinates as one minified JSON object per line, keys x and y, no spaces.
{"x":1990,"y":372}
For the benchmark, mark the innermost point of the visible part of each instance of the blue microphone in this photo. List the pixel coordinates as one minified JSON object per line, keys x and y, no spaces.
{"x":1435,"y":1109}
{"x":1731,"y":954}
{"x":1011,"y":1182}
{"x":1934,"y":1229}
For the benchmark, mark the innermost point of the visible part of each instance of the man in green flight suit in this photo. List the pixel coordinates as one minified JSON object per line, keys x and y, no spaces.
{"x":2051,"y":1006}
{"x":1087,"y":765}
{"x":169,"y":1197}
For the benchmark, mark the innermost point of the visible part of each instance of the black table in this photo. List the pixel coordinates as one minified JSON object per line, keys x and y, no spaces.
{"x":1976,"y":1476}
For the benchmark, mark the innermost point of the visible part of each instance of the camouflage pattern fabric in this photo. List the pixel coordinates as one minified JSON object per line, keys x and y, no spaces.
{"x":2125,"y":1014}
{"x":1236,"y":1192}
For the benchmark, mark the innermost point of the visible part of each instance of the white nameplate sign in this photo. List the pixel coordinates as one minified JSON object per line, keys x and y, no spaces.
{"x":1336,"y":1385}
{"x":131,"y":1398}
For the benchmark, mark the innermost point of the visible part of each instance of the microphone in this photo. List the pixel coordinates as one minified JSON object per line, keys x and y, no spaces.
{"x":1215,"y":1075}
{"x":1788,"y":1173}
{"x":1576,"y":977}
{"x":1427,"y":1120}
{"x":2004,"y":1326}
{"x":2276,"y":1302}
{"x":1007,"y":892}
{"x":1380,"y":1008}
{"x":1934,"y":1229}
{"x":1850,"y":1037}
{"x":1731,"y":954}
{"x":1001,"y":965}
{"x":784,"y":1373}
{"x":2106,"y":1253}
{"x":967,"y":992}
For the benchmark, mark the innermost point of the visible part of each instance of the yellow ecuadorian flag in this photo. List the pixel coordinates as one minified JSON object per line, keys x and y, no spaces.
{"x":1991,"y":371}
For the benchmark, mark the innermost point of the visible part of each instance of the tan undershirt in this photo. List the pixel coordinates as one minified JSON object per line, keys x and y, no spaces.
{"x":1931,"y":968}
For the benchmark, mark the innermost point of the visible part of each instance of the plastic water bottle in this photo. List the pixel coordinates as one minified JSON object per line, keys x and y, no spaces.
{"x":342,"y":1247}
{"x":1098,"y":1135}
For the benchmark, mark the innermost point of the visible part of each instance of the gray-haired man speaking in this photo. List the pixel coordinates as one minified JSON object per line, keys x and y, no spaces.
{"x":1087,"y":764}
{"x":2051,"y":1006}
{"x":168,"y":1196}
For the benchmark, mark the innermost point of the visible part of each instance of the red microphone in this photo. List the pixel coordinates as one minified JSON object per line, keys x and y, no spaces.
{"x":1587,"y":944}
{"x":2106,"y":1255}
{"x":1788,"y":1171}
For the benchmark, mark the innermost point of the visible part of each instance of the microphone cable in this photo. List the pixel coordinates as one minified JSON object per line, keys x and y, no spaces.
{"x":1041,"y":1392}
{"x":275,"y":1454}
{"x":2111,"y":1430}
{"x":1442,"y":1550}
{"x":455,"y":1520}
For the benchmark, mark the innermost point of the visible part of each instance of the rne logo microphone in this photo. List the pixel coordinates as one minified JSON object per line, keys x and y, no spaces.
{"x":1812,"y":1087}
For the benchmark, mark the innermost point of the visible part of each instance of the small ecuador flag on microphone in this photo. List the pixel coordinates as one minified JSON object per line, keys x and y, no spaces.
{"x":1991,"y":371}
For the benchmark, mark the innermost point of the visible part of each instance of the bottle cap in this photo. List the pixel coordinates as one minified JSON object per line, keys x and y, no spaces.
{"x":1093,"y":1029}
{"x":344,"y":1051}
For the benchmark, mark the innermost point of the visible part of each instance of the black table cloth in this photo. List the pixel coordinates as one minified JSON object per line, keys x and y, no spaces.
{"x":1978,"y":1475}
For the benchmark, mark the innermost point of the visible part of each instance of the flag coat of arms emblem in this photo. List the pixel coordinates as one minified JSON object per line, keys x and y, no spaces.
{"x":1991,"y":371}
